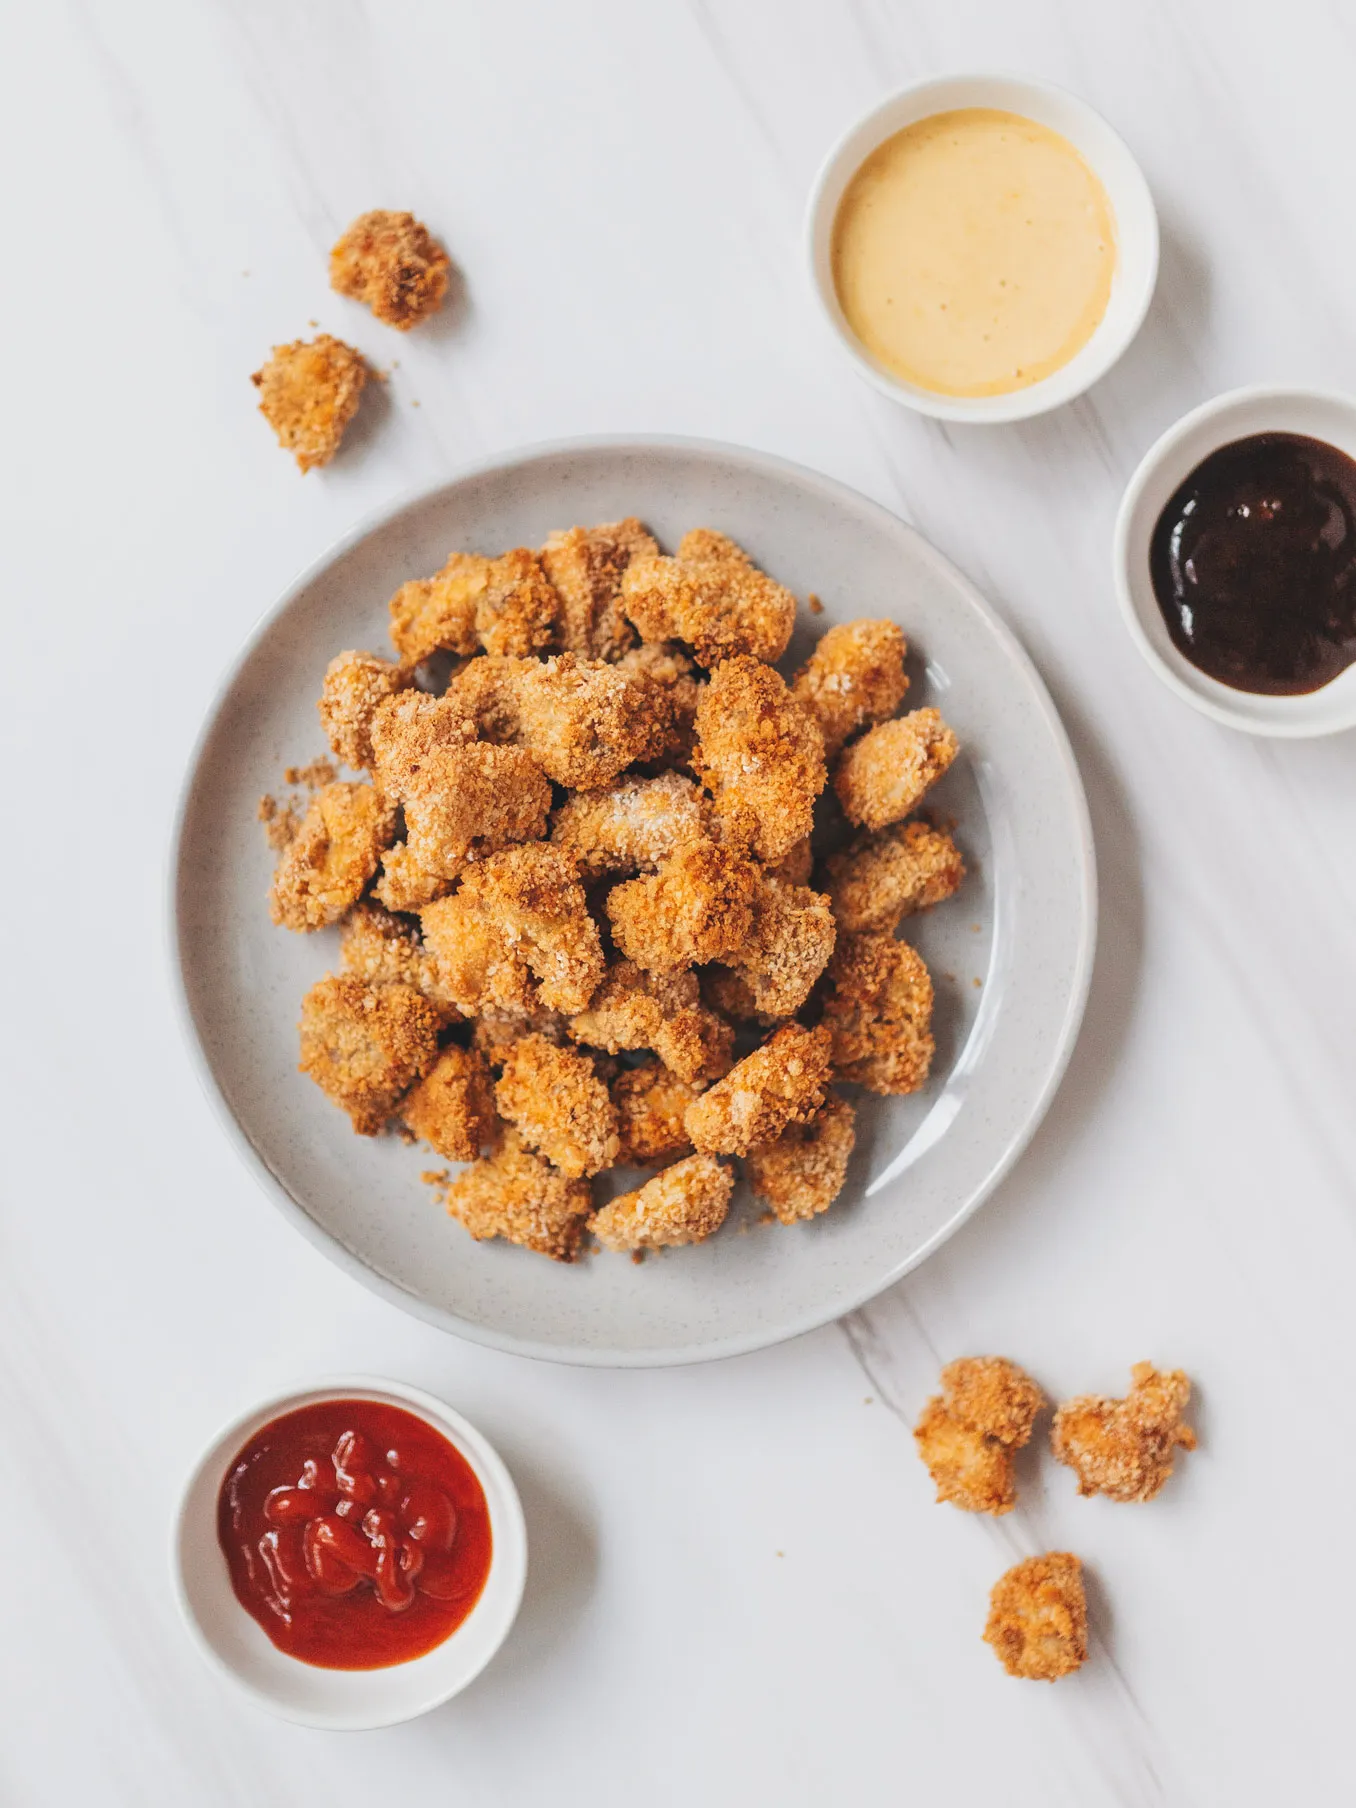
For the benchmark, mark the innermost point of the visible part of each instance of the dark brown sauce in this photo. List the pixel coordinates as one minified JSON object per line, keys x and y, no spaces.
{"x":1253,"y":563}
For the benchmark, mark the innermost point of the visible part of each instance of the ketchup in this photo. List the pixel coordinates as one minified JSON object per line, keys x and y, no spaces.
{"x":355,"y":1534}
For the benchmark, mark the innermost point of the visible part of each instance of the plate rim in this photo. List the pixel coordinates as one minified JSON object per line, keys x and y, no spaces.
{"x":603,"y":1356}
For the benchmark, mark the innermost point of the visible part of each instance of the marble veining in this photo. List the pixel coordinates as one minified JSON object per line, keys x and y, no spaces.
{"x":741,"y":1591}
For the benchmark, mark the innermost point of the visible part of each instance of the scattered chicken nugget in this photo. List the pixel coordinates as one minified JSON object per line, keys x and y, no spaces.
{"x":392,"y":263}
{"x":308,"y":394}
{"x":1038,"y":1617}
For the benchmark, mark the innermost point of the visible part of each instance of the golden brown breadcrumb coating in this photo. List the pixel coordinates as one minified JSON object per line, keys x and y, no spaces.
{"x":730,"y":994}
{"x":667,"y":665}
{"x":516,"y":935}
{"x":308,"y":394}
{"x":329,"y":861}
{"x":854,"y":676}
{"x":698,"y":906}
{"x":883,"y":776}
{"x":585,"y":720}
{"x":883,"y":877}
{"x":366,"y":1045}
{"x":650,"y":1101}
{"x":495,"y":1031}
{"x":355,"y":684}
{"x":559,"y":1106}
{"x":1038,"y":1617}
{"x":387,"y":950}
{"x":686,"y":1203}
{"x":967,"y":1436}
{"x":404,"y":730}
{"x":405,"y":886}
{"x":468,"y":801}
{"x":633,"y":1009}
{"x":631,"y":825}
{"x":760,"y":753}
{"x":878,"y":1007}
{"x":393,"y":263}
{"x":705,"y":544}
{"x":485,"y":693}
{"x":514,"y":1194}
{"x":795,"y":865}
{"x":719,"y":606}
{"x":452,"y":1107}
{"x":788,"y":947}
{"x":1124,"y":1448}
{"x":801,"y":1172}
{"x":586,"y":564}
{"x":438,"y":614}
{"x":780,"y":1083}
{"x":518,"y":610}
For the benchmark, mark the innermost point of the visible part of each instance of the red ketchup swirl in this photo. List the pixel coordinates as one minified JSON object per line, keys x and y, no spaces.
{"x":355,"y":1534}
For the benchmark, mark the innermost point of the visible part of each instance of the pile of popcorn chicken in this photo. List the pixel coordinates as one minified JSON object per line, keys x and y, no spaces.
{"x":577,"y":881}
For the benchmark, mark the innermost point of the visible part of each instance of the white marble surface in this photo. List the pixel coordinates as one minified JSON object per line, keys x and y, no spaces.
{"x":741,"y":1591}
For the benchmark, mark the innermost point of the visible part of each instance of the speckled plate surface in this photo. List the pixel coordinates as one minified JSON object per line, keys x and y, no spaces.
{"x":1022,"y":926}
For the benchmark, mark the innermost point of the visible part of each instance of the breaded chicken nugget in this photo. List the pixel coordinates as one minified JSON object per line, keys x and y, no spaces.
{"x":795,"y":865}
{"x":760,"y":753}
{"x":404,"y":730}
{"x":971,"y":1471}
{"x":308,"y":394}
{"x":687,"y":1203}
{"x":532,"y":893}
{"x":466,"y":802}
{"x":1038,"y":1617}
{"x":452,"y":1107}
{"x":514,"y":1194}
{"x":355,"y":683}
{"x":780,"y":1083}
{"x":394,"y":264}
{"x":518,"y":610}
{"x":478,"y":964}
{"x":495,"y":1032}
{"x":559,"y":1106}
{"x":386,"y":950}
{"x":633,"y":1009}
{"x":586,"y":564}
{"x":438,"y":614}
{"x":366,"y":1045}
{"x":405,"y":886}
{"x":731,"y":995}
{"x":801,"y":1173}
{"x":667,"y":665}
{"x":883,"y":776}
{"x":1124,"y":1448}
{"x":854,"y":676}
{"x":881,"y":878}
{"x":705,"y":544}
{"x":631,"y":825}
{"x":788,"y":947}
{"x":697,"y":907}
{"x":485,"y":692}
{"x":879,"y":1010}
{"x":718,"y":606}
{"x":585,"y":720}
{"x":327,"y":865}
{"x":650,"y":1101}
{"x":967,"y":1436}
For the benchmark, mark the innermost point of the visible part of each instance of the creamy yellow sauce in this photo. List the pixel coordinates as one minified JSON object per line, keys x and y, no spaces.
{"x":973,"y":252}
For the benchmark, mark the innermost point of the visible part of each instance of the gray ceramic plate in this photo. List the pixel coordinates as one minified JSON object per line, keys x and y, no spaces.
{"x":1022,"y":925}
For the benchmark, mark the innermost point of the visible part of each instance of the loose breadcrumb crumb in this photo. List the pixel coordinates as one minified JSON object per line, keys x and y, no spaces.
{"x":308,"y":394}
{"x":778,"y":1084}
{"x":330,"y":860}
{"x":883,"y":776}
{"x":391,"y":262}
{"x":452,"y":1107}
{"x":314,"y":775}
{"x":281,"y":821}
{"x":514,"y":1194}
{"x":1038,"y":1617}
{"x":801,"y":1173}
{"x":854,"y":676}
{"x":1125,"y":1448}
{"x":559,"y":1106}
{"x":686,"y":1203}
{"x":365,"y":1045}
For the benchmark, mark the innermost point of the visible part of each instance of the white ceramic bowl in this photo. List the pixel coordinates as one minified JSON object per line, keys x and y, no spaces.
{"x":235,"y":1645}
{"x":1108,"y":156}
{"x":1258,"y":409}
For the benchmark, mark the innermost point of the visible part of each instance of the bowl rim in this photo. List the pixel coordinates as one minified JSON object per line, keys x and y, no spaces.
{"x":508,"y":1557}
{"x":1274,"y":717}
{"x":332,"y":1247}
{"x":1071,"y":380}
